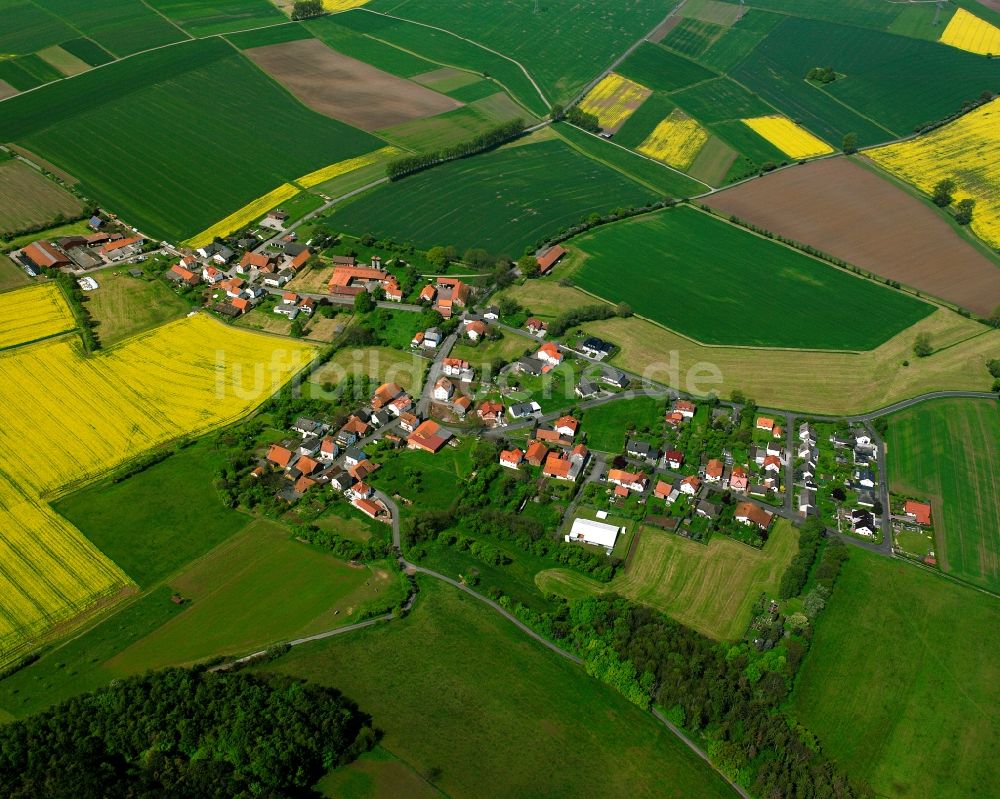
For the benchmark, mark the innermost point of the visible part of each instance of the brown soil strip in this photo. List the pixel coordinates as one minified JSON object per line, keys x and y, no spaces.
{"x":664,"y":28}
{"x":345,"y":88}
{"x":852,"y":213}
{"x":6,"y":90}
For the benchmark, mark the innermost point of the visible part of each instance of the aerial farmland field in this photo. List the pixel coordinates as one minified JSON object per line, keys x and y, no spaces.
{"x":659,"y":69}
{"x":924,"y":727}
{"x":948,"y":452}
{"x":966,"y":151}
{"x":720,"y":284}
{"x":599,"y":31}
{"x":147,"y":391}
{"x":122,"y":27}
{"x":29,"y":199}
{"x":200,"y":160}
{"x":32,"y":314}
{"x":503,"y":201}
{"x":450,"y":654}
{"x":905,"y":240}
{"x":220,"y":16}
{"x":708,"y":587}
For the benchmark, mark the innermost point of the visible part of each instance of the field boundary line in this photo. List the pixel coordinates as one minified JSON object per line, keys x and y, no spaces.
{"x":165,"y":17}
{"x":852,"y":109}
{"x":491,"y":79}
{"x":520,"y":66}
{"x":608,"y":164}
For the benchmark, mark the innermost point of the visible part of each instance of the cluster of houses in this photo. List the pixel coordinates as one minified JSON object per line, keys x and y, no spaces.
{"x":445,"y":295}
{"x":321,"y":456}
{"x":553,"y":450}
{"x":241,"y":284}
{"x":80,"y":252}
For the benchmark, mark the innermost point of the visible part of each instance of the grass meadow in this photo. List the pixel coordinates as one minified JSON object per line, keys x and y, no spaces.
{"x":720,"y":284}
{"x":168,"y":144}
{"x":948,"y":452}
{"x":504,"y":201}
{"x":607,"y":425}
{"x":710,"y":588}
{"x":158,"y":520}
{"x":258,"y":588}
{"x":901,"y":682}
{"x":827,"y":382}
{"x":123,"y":305}
{"x":452,"y":656}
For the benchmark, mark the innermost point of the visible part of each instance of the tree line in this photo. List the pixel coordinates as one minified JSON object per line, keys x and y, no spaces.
{"x":494,"y":137}
{"x":181,"y":733}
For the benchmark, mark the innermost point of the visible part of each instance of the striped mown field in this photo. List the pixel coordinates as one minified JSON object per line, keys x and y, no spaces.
{"x":89,"y":415}
{"x":710,"y":587}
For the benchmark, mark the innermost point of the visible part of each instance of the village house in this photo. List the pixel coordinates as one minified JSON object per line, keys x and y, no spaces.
{"x":739,"y":480}
{"x":750,"y":515}
{"x":354,"y":456}
{"x":587,"y":531}
{"x":429,"y":437}
{"x":451,"y":293}
{"x":443,"y":389}
{"x":328,"y":450}
{"x":807,"y":502}
{"x":707,"y":509}
{"x":714,"y":470}
{"x":863,"y":523}
{"x":536,"y":453}
{"x":586,"y":390}
{"x":596,"y":348}
{"x":492,"y":314}
{"x":179,"y":274}
{"x":305,"y":426}
{"x":281,"y":457}
{"x":527,"y":365}
{"x":764,"y":423}
{"x":920,"y":512}
{"x":549,"y":355}
{"x":674,"y":458}
{"x":408,"y":422}
{"x":475,"y":330}
{"x":254,"y":260}
{"x":634,"y":481}
{"x":511,"y":458}
{"x":522,"y":410}
{"x":428,"y":293}
{"x":456,"y":367}
{"x":641,"y":450}
{"x":685,"y":408}
{"x":385,"y":394}
{"x":210,"y":274}
{"x":566,"y":426}
{"x":123,"y":248}
{"x":548,"y":258}
{"x":535,"y":326}
{"x":461,"y":405}
{"x":490,"y":412}
{"x":690,"y":485}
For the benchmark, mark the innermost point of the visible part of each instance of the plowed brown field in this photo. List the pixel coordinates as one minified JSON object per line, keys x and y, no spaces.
{"x":854,"y":214}
{"x":345,"y":88}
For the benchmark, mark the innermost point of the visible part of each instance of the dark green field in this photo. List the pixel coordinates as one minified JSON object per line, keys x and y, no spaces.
{"x":948,"y":452}
{"x":445,"y":49}
{"x":563,"y":46}
{"x":167,"y":140}
{"x":503,"y":201}
{"x":122,"y":27}
{"x":896,"y":82}
{"x":28,"y":28}
{"x":478,"y":709}
{"x":88,"y":51}
{"x":360,"y":45}
{"x":275,"y":34}
{"x":903,"y":681}
{"x":219,"y":16}
{"x":657,"y":68}
{"x":156,"y":521}
{"x":720,"y":284}
{"x":27,"y":72}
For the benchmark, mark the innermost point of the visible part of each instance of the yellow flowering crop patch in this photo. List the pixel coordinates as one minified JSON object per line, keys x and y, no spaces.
{"x":793,"y":140}
{"x":677,"y":140}
{"x":343,"y":167}
{"x":342,"y":5}
{"x":87,"y":415}
{"x":968,"y":32}
{"x":33,"y":313}
{"x":247,"y":214}
{"x":614,"y":100}
{"x":966,"y":151}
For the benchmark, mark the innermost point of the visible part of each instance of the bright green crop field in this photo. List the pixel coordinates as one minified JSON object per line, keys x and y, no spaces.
{"x":948,"y":452}
{"x":720,"y":284}
{"x":502,"y":201}
{"x":219,"y":16}
{"x":122,"y":27}
{"x":564,"y":45}
{"x":657,"y":68}
{"x":902,"y":681}
{"x":164,"y":140}
{"x":452,"y":656}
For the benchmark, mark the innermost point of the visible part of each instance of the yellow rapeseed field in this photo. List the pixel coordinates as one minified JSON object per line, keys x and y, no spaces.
{"x":87,"y":415}
{"x":33,"y":313}
{"x":247,"y":214}
{"x":677,"y":140}
{"x":343,"y":167}
{"x":966,"y":151}
{"x":792,"y":140}
{"x":966,"y":31}
{"x":614,"y":100}
{"x":342,"y":5}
